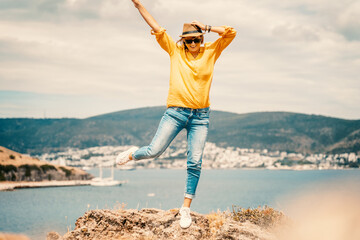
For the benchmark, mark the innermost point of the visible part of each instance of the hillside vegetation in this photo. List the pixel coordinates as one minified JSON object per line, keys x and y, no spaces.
{"x":284,"y":131}
{"x":18,"y":167}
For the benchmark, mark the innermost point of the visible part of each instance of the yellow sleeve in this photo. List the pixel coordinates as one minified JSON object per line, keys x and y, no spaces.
{"x":224,"y":40}
{"x":165,"y":41}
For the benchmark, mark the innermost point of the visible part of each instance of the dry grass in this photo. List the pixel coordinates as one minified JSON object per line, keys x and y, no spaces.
{"x":262,"y":216}
{"x":119,"y":206}
{"x":216,"y":220}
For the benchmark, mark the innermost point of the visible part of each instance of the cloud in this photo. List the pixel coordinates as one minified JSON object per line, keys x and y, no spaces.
{"x":296,"y":33}
{"x":286,"y":56}
{"x":106,"y":9}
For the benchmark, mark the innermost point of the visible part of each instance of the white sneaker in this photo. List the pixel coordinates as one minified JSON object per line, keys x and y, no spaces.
{"x":185,"y":220}
{"x":123,"y":157}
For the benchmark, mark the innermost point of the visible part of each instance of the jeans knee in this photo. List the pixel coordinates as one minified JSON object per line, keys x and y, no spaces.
{"x":152,"y":152}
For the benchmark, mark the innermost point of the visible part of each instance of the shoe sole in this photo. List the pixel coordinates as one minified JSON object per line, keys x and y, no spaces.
{"x":125,"y":154}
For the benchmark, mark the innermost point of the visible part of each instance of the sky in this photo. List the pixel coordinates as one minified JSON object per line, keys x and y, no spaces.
{"x":81,"y":58}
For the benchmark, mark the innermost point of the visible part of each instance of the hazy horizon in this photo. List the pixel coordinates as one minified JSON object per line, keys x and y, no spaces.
{"x":82,"y":58}
{"x":129,"y":109}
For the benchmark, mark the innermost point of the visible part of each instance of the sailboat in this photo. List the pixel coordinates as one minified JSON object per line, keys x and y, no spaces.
{"x":103,"y":182}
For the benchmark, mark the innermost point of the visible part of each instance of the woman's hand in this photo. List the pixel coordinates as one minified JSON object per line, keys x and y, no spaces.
{"x":199,"y":24}
{"x":136,"y":3}
{"x":147,"y":16}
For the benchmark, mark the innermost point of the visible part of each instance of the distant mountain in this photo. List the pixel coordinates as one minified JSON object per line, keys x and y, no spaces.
{"x":284,"y":131}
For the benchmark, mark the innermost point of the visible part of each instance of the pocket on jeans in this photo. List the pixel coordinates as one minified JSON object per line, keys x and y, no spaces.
{"x":204,"y":115}
{"x":174,"y":113}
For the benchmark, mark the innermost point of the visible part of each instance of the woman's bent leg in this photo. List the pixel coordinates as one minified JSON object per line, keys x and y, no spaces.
{"x":168,"y":128}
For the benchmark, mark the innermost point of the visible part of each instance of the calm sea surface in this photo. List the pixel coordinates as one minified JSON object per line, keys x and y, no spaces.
{"x":35,"y":212}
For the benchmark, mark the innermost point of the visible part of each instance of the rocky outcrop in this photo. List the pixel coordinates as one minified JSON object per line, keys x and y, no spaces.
{"x":159,"y":224}
{"x":18,"y":167}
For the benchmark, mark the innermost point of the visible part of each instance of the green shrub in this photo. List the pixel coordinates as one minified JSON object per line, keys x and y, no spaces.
{"x":31,"y":167}
{"x":353,"y":165}
{"x":12,"y":156}
{"x":2,"y":177}
{"x":304,"y":162}
{"x":13,"y":177}
{"x":8,"y":168}
{"x":27,"y":172}
{"x":66,"y":171}
{"x":47,"y":167}
{"x":28,"y":168}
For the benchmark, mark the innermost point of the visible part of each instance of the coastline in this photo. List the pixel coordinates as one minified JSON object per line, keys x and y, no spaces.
{"x":9,"y":186}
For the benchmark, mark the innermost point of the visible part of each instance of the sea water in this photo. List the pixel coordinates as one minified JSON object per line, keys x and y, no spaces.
{"x":37,"y":211}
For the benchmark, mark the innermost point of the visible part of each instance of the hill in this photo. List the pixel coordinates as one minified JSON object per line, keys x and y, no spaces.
{"x":17,"y":167}
{"x":284,"y":131}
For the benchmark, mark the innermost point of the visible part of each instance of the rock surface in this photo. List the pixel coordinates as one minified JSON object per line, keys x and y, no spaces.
{"x":159,"y":224}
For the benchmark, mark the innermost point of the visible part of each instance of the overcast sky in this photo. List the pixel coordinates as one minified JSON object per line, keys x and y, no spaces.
{"x":80,"y":58}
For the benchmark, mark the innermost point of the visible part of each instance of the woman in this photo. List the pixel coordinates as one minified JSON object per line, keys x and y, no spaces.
{"x":188,"y":102}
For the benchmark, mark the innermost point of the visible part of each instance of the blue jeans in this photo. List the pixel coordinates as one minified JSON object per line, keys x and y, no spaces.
{"x":196,"y":122}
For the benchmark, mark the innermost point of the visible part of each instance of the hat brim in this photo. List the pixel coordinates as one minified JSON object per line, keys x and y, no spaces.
{"x":192,"y":35}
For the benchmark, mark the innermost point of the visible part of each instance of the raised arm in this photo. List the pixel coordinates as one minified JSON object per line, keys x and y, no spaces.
{"x":220,"y":30}
{"x":147,"y":16}
{"x":227,"y":34}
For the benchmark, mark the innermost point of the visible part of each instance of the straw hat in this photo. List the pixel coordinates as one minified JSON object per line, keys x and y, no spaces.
{"x":190,"y":30}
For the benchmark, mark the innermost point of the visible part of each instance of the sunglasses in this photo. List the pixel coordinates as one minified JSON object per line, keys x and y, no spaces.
{"x":195,"y":40}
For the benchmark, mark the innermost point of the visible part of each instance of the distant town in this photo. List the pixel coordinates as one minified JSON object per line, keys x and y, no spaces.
{"x":214,"y":158}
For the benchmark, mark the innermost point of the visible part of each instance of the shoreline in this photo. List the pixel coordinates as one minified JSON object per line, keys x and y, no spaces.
{"x":10,"y":186}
